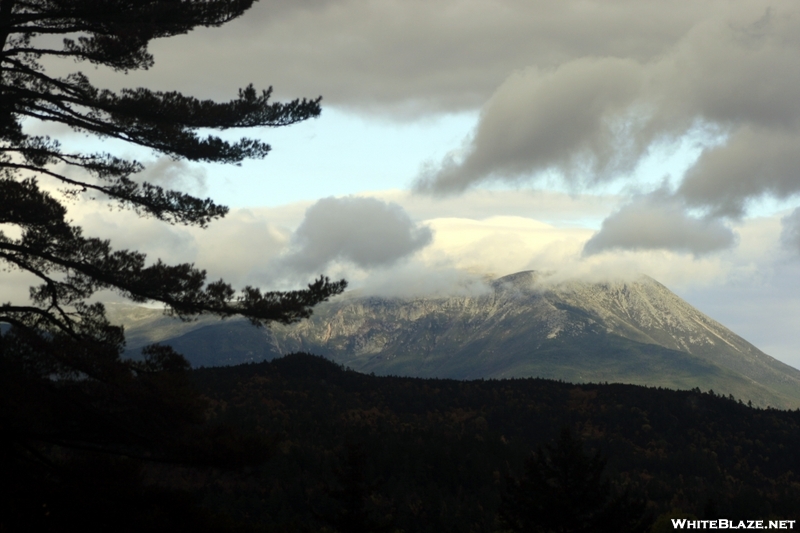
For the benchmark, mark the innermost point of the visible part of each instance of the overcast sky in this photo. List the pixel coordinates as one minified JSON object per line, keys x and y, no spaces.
{"x":464,"y":138}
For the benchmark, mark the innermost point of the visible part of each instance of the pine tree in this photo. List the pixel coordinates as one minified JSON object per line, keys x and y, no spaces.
{"x":564,"y":490}
{"x":63,"y":382}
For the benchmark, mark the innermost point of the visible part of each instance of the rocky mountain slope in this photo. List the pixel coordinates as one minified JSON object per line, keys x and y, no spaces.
{"x":523,"y":325}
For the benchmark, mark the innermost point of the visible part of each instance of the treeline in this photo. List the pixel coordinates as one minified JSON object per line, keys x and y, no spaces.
{"x":353,"y":452}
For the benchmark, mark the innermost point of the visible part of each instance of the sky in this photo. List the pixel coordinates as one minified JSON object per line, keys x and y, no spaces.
{"x":462,"y":139}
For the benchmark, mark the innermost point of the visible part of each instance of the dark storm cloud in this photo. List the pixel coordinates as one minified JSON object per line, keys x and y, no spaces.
{"x":365,"y":231}
{"x":658,"y":221}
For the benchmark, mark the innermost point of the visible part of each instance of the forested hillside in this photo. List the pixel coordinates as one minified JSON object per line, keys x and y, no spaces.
{"x":439,"y":455}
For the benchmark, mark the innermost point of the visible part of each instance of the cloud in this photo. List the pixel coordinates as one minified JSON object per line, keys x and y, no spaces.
{"x":658,"y":221}
{"x":393,"y":249}
{"x":416,"y":278}
{"x":174,"y":174}
{"x":409,"y":55}
{"x":577,"y":91}
{"x":755,"y":292}
{"x":502,"y":245}
{"x":364,"y":231}
{"x":15,"y":286}
{"x":590,"y":120}
{"x":237,"y":248}
{"x":537,"y":121}
{"x":128,"y":231}
{"x":241,"y":246}
{"x":550,"y":207}
{"x":753,"y":162}
{"x":790,"y":232}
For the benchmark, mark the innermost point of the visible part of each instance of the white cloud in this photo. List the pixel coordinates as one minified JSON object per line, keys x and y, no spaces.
{"x":236,"y":248}
{"x":500,"y":245}
{"x":503,"y":245}
{"x":240,"y":247}
{"x":551,"y":207}
{"x":174,"y":174}
{"x":128,"y":231}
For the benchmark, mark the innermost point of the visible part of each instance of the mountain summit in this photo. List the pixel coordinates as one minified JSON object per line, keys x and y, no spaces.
{"x":523,"y":325}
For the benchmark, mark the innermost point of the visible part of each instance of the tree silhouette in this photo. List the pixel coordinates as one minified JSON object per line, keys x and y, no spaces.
{"x":354,"y":510}
{"x":63,"y":382}
{"x":564,"y":491}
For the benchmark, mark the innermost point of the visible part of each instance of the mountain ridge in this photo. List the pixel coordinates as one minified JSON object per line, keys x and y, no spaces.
{"x":524,"y":325}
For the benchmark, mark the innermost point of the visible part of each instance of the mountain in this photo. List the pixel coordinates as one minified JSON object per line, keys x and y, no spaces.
{"x":523,"y":325}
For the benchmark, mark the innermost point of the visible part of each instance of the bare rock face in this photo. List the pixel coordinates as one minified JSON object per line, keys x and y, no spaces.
{"x":523,"y":325}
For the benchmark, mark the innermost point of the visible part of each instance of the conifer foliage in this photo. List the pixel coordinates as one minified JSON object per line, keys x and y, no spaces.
{"x":565,"y":491}
{"x":63,"y":380}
